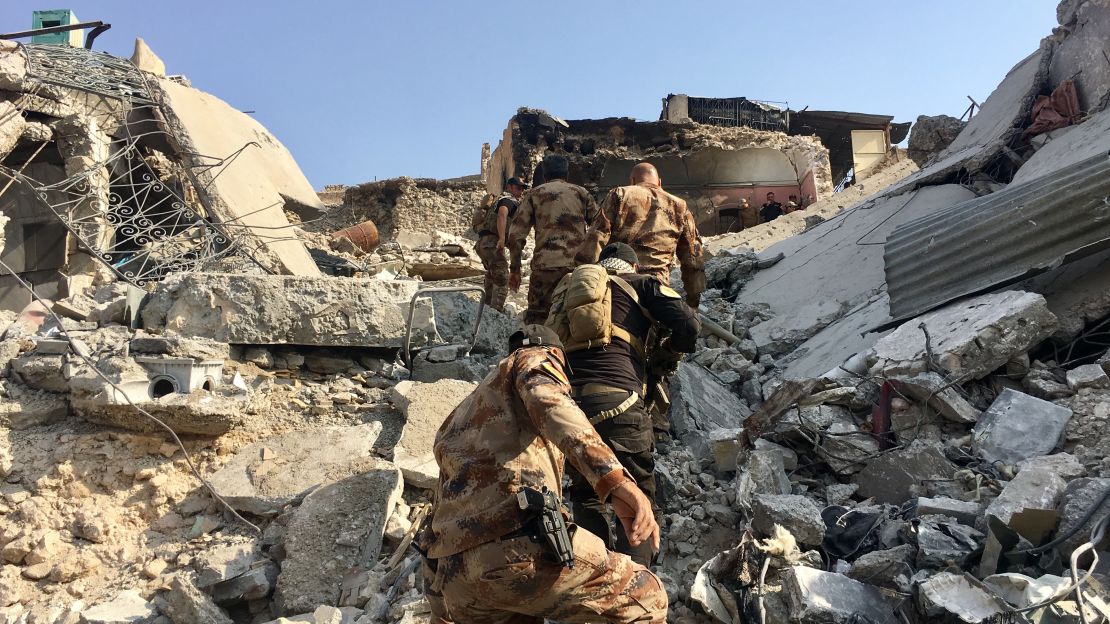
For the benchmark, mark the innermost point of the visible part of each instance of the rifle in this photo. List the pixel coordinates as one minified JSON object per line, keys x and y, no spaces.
{"x":546,"y":517}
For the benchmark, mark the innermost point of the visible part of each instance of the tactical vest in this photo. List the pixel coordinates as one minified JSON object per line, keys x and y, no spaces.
{"x":488,"y":222}
{"x":582,"y":309}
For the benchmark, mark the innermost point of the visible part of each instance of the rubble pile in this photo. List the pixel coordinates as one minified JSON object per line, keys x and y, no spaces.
{"x":829,"y":462}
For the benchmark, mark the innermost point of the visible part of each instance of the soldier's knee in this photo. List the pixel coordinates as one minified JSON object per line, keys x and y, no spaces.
{"x":648,"y":591}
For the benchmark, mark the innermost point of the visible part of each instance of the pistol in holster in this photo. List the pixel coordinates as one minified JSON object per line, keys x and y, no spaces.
{"x":544,"y":516}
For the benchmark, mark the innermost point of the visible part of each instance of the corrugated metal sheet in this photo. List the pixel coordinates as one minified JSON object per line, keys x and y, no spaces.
{"x":998,"y":239}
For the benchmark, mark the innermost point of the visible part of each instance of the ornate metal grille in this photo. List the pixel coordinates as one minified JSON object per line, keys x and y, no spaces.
{"x":138,"y":210}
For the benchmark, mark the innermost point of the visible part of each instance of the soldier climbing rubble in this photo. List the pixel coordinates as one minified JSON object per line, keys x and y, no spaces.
{"x":497,"y":546}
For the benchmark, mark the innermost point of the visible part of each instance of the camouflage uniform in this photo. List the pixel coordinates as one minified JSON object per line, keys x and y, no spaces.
{"x":497,"y":267}
{"x":515,"y":430}
{"x":749,"y":216}
{"x":560,"y":212}
{"x":658,"y":226}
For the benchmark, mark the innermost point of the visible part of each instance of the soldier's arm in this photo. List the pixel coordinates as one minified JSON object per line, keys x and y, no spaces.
{"x":502,"y":224}
{"x":518,"y":232}
{"x":667,"y":308}
{"x":600,"y":228}
{"x":691,"y":258}
{"x":543,"y":387}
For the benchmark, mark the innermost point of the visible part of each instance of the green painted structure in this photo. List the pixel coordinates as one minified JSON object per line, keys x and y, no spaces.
{"x":57,"y":17}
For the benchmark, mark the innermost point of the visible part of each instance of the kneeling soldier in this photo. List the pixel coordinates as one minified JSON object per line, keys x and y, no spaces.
{"x":497,"y":546}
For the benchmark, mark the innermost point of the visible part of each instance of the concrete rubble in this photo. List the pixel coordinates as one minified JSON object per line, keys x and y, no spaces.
{"x":939,"y":468}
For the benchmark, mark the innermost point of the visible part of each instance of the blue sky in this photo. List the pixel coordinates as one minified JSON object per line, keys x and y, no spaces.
{"x":365,"y":90}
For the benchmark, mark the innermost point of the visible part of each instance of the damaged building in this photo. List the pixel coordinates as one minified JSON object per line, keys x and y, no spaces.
{"x":222,"y":405}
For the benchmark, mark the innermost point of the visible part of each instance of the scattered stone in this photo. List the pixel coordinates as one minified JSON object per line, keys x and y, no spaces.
{"x":900,"y":475}
{"x":930,"y":135}
{"x":762,"y":474}
{"x":724,"y":445}
{"x":965,"y":512}
{"x":155,"y":568}
{"x":338,"y":526}
{"x":328,"y":363}
{"x":969,"y":339}
{"x":126,"y":608}
{"x":891,"y":568}
{"x":947,"y":594}
{"x":817,"y":597}
{"x":1078,"y":498}
{"x":425,"y":407}
{"x":840,"y":493}
{"x":1042,"y":384}
{"x":185,"y":604}
{"x":1088,"y":376}
{"x":256,"y":583}
{"x":1017,"y":426}
{"x":267,"y":475}
{"x":796,"y":514}
{"x":930,"y":388}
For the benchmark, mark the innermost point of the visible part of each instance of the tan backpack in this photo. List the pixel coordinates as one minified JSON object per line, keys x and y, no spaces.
{"x":582,"y":309}
{"x":481,"y":213}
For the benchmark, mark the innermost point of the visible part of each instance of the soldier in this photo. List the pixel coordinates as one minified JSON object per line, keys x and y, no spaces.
{"x":656,"y":225}
{"x":559,"y":211}
{"x":771,"y":209}
{"x":749,"y":214}
{"x":609,"y":381}
{"x":486,"y":560}
{"x":491,"y":243}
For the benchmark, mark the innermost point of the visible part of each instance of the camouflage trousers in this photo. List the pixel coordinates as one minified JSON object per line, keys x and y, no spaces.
{"x":497,"y":271}
{"x":541,"y":285}
{"x":514,"y":581}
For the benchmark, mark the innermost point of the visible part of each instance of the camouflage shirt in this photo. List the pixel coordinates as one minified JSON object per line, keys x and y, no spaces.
{"x":560,"y":212}
{"x":657,"y":226}
{"x":514,"y":430}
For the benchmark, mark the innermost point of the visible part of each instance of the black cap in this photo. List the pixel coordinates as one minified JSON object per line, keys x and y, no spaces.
{"x":620,"y":251}
{"x":534,"y":336}
{"x":517,"y":181}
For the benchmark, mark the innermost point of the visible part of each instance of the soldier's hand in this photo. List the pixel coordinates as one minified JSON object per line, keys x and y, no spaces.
{"x":514,"y":282}
{"x":634,"y":510}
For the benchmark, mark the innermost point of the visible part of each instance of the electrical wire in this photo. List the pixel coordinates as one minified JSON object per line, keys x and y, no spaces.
{"x":89,"y":362}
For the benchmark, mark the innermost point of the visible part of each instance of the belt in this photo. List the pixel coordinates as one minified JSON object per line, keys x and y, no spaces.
{"x":595,"y":388}
{"x":591,"y":389}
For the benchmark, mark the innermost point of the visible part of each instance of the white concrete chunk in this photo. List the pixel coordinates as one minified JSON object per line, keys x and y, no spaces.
{"x":1017,"y":426}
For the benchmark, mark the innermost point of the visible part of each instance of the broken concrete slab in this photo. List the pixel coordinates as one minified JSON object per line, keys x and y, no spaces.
{"x":930,"y":388}
{"x":795,"y":513}
{"x":941,"y":542}
{"x":930,"y":136}
{"x":254,"y":584}
{"x":200,"y":349}
{"x":900,"y":475}
{"x":278,"y":309}
{"x":33,"y":408}
{"x":128,"y":607}
{"x":969,"y":339}
{"x":223,"y":563}
{"x":425,"y":406}
{"x":1036,"y":486}
{"x":965,"y":512}
{"x":265,"y":476}
{"x":251,"y":190}
{"x":763,"y":473}
{"x":338,"y":526}
{"x":1088,"y":376}
{"x":185,"y":604}
{"x":700,"y":405}
{"x":890,"y":568}
{"x":817,"y":597}
{"x":947,"y":593}
{"x":455,"y":315}
{"x":1017,"y":426}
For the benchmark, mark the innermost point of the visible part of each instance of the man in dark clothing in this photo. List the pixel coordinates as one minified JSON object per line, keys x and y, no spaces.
{"x":771,"y":209}
{"x":491,"y":243}
{"x":608,"y":384}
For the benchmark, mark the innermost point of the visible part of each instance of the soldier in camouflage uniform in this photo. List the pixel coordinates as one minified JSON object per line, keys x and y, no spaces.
{"x":491,"y":243}
{"x":654,"y":223}
{"x":559,"y":211}
{"x":514,"y":431}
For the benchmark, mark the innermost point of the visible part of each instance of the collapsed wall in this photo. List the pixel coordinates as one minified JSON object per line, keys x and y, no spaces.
{"x":709,"y":166}
{"x":408,"y":204}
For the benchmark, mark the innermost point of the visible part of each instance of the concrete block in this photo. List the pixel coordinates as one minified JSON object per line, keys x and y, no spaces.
{"x":223,"y":563}
{"x":965,"y":512}
{"x":1017,"y":426}
{"x":425,"y":406}
{"x":185,"y":604}
{"x":1088,"y":376}
{"x":796,"y":514}
{"x":969,"y":339}
{"x":900,"y":475}
{"x":128,"y":607}
{"x":944,"y":595}
{"x":700,"y":405}
{"x":817,"y":597}
{"x":891,"y":568}
{"x":281,"y":309}
{"x":927,"y":388}
{"x":1036,"y":486}
{"x":763,"y":473}
{"x":941,"y":542}
{"x":339,"y":526}
{"x":256,"y":583}
{"x":265,"y":476}
{"x":1078,"y":497}
{"x":724,"y":446}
